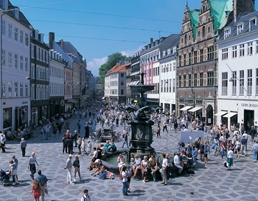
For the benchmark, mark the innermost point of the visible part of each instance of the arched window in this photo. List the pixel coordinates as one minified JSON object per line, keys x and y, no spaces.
{"x":209,"y":29}
{"x":185,"y":39}
{"x":203,"y":31}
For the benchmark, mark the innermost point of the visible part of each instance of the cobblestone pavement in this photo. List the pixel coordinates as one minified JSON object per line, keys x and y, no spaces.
{"x":210,"y":182}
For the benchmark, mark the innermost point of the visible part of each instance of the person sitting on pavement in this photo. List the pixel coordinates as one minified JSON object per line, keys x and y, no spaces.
{"x":112,"y":147}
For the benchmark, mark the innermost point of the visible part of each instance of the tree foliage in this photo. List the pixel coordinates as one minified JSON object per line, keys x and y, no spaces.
{"x":111,"y":62}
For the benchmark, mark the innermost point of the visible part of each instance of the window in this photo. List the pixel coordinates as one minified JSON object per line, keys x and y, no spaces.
{"x":185,"y":39}
{"x":174,"y":84}
{"x":26,"y":64}
{"x":10,"y":30}
{"x":122,"y":74}
{"x":256,"y":88}
{"x":26,"y":89}
{"x":190,"y":58}
{"x":16,"y":61}
{"x":199,"y":33}
{"x":21,"y":89}
{"x":195,"y":80}
{"x":27,"y":39}
{"x":224,"y":84}
{"x":184,"y":81}
{"x":242,"y":50}
{"x":3,"y":27}
{"x":179,"y":60}
{"x":249,"y":48}
{"x":234,"y":82}
{"x":21,"y":36}
{"x":201,"y":55}
{"x":241,"y":82}
{"x":170,"y":85}
{"x":3,"y":57}
{"x":3,"y":89}
{"x":189,"y":80}
{"x":9,"y":59}
{"x":21,"y":62}
{"x":234,"y":51}
{"x":122,"y":92}
{"x":249,"y":82}
{"x":16,"y":34}
{"x":10,"y":88}
{"x":252,"y":24}
{"x":210,"y":53}
{"x":195,"y":56}
{"x":210,"y":78}
{"x":161,"y":86}
{"x":224,"y":53}
{"x":180,"y":81}
{"x":184,"y":59}
{"x":16,"y":89}
{"x":122,"y":83}
{"x":203,"y":31}
{"x":201,"y":79}
{"x":226,"y":33}
{"x":240,"y":28}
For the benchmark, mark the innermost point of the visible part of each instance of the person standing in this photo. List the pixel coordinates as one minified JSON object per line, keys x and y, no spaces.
{"x":79,"y":124}
{"x":85,"y":196}
{"x":79,"y":142}
{"x":165,"y":126}
{"x":42,"y":133}
{"x":124,"y":180}
{"x":165,"y":165}
{"x":158,"y":132}
{"x":12,"y":172}
{"x":35,"y":189}
{"x":68,"y":167}
{"x":64,"y":144}
{"x":2,"y":142}
{"x":252,"y":133}
{"x":255,"y":150}
{"x":23,"y":144}
{"x":15,"y":161}
{"x":74,"y":138}
{"x":230,"y":158}
{"x":87,"y":131}
{"x":125,"y":137}
{"x":76,"y":165}
{"x":42,"y":183}
{"x":32,"y":165}
{"x":69,"y":143}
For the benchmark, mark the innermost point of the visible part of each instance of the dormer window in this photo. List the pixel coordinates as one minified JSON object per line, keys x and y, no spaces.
{"x":227,"y":32}
{"x":252,"y":24}
{"x":240,"y":28}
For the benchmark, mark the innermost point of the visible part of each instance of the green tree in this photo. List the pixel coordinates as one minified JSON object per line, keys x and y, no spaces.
{"x":111,"y":62}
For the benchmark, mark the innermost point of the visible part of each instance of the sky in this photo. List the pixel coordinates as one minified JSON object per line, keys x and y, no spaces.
{"x":99,"y":28}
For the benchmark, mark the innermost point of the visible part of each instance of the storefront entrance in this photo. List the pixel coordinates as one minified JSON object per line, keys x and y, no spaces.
{"x":248,"y":119}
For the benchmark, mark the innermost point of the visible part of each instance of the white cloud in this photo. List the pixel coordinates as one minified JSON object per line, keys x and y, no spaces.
{"x":94,"y":65}
{"x":131,"y":52}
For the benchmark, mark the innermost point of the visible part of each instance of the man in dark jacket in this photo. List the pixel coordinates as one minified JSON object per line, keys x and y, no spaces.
{"x":252,"y":133}
{"x":69,"y":143}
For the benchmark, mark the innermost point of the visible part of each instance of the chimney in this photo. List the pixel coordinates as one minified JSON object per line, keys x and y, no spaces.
{"x":61,"y":43}
{"x":51,"y":39}
{"x":151,"y":40}
{"x":36,"y":34}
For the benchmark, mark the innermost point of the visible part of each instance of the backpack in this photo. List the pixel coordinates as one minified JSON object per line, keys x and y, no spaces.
{"x":120,"y":176}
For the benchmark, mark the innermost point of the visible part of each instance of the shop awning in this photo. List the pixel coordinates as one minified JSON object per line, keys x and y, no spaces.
{"x":195,"y":109}
{"x":220,"y":113}
{"x":186,"y":108}
{"x":230,"y":114}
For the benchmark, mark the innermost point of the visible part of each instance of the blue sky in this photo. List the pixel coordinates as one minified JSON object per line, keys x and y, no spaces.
{"x":98,"y":28}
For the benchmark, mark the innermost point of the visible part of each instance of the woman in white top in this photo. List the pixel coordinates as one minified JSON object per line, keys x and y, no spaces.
{"x":144,"y":168}
{"x":121,"y":162}
{"x":137,"y":165}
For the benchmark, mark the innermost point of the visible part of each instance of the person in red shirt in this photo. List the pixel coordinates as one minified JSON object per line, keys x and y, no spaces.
{"x":35,"y":189}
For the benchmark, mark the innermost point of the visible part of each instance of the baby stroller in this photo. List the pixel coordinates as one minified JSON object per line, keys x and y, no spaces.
{"x":6,"y":179}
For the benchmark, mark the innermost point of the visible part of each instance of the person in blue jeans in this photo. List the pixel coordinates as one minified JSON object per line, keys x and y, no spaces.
{"x":194,"y":154}
{"x":255,"y":150}
{"x":215,"y":145}
{"x":124,"y":180}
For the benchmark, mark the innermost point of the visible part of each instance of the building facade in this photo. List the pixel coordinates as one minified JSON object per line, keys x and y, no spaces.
{"x":15,"y":108}
{"x":238,"y":72}
{"x":167,"y":73}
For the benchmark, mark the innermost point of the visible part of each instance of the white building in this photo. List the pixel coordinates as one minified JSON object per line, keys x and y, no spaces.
{"x":15,"y":68}
{"x":167,"y":74}
{"x":238,"y":72}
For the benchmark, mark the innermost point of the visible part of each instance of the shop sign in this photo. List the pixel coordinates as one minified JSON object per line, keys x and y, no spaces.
{"x":249,"y":105}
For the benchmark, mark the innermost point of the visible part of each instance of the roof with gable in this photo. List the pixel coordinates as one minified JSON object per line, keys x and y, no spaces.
{"x":69,"y":48}
{"x":117,"y":69}
{"x":64,"y":54}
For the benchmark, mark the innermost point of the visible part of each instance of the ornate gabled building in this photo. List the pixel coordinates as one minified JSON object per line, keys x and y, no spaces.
{"x":197,"y":55}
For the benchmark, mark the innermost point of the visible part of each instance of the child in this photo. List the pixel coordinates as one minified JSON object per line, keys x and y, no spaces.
{"x":36,"y":190}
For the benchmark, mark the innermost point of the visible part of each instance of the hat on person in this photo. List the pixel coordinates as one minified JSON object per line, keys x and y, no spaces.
{"x":70,"y":156}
